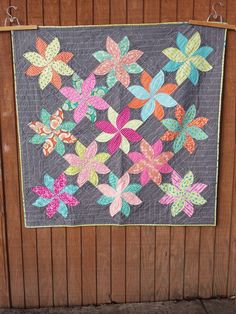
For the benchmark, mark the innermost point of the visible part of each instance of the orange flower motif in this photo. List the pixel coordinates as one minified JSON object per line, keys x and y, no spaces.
{"x":152,"y":96}
{"x":52,"y":132}
{"x":48,"y":63}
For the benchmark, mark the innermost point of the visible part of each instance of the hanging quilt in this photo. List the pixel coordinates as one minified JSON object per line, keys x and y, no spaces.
{"x":119,"y":125}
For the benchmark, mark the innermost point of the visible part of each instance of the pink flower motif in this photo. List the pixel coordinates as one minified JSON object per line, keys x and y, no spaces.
{"x":119,"y":131}
{"x":86,"y":163}
{"x":55,"y":195}
{"x":84,"y":98}
{"x":151,"y":162}
{"x":118,"y":62}
{"x":120,"y":196}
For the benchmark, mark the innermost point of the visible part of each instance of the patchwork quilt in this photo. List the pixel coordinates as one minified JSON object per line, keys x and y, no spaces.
{"x":119,"y":125}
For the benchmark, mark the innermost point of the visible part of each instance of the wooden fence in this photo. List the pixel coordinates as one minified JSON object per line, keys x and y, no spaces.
{"x":92,"y":265}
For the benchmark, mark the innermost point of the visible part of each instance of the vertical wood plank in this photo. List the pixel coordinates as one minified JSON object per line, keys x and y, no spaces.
{"x":103,"y":234}
{"x":118,"y":234}
{"x":185,"y":13}
{"x":151,"y":11}
{"x":59,"y":262}
{"x":207,"y":234}
{"x":28,"y":235}
{"x":169,"y":13}
{"x":44,"y":254}
{"x":225,"y":190}
{"x":10,"y":166}
{"x":4,"y":275}
{"x":68,"y":16}
{"x":85,"y":12}
{"x":133,"y":235}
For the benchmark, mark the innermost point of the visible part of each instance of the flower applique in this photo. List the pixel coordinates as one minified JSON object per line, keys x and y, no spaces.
{"x":152,"y":162}
{"x":152,"y":96}
{"x":120,"y":194}
{"x":86,"y":163}
{"x":85,"y":98}
{"x":49,"y":63}
{"x":118,"y":131}
{"x":118,"y":62}
{"x":188,"y":59}
{"x":184,"y":129}
{"x":52,"y":132}
{"x":55,"y":195}
{"x":77,"y":83}
{"x":182,"y":194}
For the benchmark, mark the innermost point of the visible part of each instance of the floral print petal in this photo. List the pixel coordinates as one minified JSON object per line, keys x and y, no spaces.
{"x":115,"y":206}
{"x":59,"y":183}
{"x":80,"y":112}
{"x":42,"y":191}
{"x":131,"y":57}
{"x":122,"y":76}
{"x":88,"y":85}
{"x":52,"y":207}
{"x":144,"y":177}
{"x":105,"y":67}
{"x":131,"y":198}
{"x":107,"y":190}
{"x":68,"y":199}
{"x":98,"y":102}
{"x":147,"y":149}
{"x":91,"y":150}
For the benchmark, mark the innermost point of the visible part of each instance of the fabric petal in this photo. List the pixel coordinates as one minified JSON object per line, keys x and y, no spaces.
{"x":62,"y":68}
{"x":125,"y":145}
{"x":169,"y":136}
{"x":42,"y":191}
{"x":100,"y":168}
{"x":171,"y":125}
{"x":193,"y":44}
{"x":146,"y":80}
{"x":125,"y":209}
{"x":136,"y":103}
{"x":115,"y":206}
{"x":144,"y":177}
{"x":148,"y":109}
{"x":147,"y":150}
{"x":196,"y":133}
{"x":73,"y":160}
{"x":72,"y":170}
{"x":187,"y":181}
{"x":41,"y":202}
{"x":105,"y":200}
{"x":64,"y":56}
{"x":52,"y":207}
{"x":155,"y":175}
{"x":107,"y":190}
{"x":157,"y":82}
{"x":179,"y":113}
{"x":183,"y":73}
{"x":194,"y":75}
{"x":168,"y":88}
{"x":62,"y":209}
{"x":199,"y":122}
{"x":41,"y":46}
{"x":88,"y":85}
{"x":177,"y":207}
{"x":137,"y":167}
{"x":106,"y":127}
{"x":131,"y":135}
{"x":91,"y":150}
{"x":189,"y":144}
{"x":165,"y":100}
{"x":201,"y":64}
{"x":172,"y":66}
{"x":131,"y":198}
{"x":70,"y":189}
{"x":139,"y":92}
{"x":174,"y":54}
{"x":189,"y":115}
{"x":104,"y":137}
{"x":135,"y":156}
{"x":114,"y":144}
{"x":83,"y":177}
{"x":105,"y":67}
{"x":181,"y":42}
{"x":123,"y":182}
{"x":204,"y":51}
{"x":133,"y":124}
{"x":159,"y":111}
{"x":122,"y":76}
{"x":188,"y":209}
{"x":167,"y":199}
{"x":175,"y":178}
{"x":70,"y":93}
{"x":113,"y":48}
{"x":40,"y":128}
{"x":197,"y":187}
{"x":68,"y":199}
{"x":48,"y":181}
{"x":59,"y":183}
{"x":157,"y":148}
{"x":80,"y":112}
{"x":123,"y":118}
{"x":49,"y":145}
{"x":98,"y":102}
{"x":56,"y":79}
{"x":93,"y":178}
{"x":34,"y":70}
{"x":179,"y":142}
{"x":131,"y":57}
{"x":35,"y":58}
{"x":56,"y":119}
{"x":165,"y":168}
{"x":45,"y":77}
{"x":52,"y":49}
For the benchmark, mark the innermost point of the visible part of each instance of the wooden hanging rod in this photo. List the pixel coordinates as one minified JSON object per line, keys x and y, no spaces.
{"x":213,"y":24}
{"x":17,"y":28}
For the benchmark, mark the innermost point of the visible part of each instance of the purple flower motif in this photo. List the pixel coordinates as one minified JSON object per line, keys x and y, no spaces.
{"x":55,"y":195}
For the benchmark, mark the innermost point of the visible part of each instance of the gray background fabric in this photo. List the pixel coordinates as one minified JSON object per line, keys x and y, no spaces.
{"x":83,"y":42}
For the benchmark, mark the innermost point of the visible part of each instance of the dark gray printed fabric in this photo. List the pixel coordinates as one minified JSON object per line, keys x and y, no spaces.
{"x":119,"y":125}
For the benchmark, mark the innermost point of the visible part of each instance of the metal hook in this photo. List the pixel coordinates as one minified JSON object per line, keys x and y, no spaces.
{"x":214,"y":13}
{"x":9,"y":17}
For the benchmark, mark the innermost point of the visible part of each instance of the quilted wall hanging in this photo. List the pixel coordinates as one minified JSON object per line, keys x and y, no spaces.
{"x":119,"y":125}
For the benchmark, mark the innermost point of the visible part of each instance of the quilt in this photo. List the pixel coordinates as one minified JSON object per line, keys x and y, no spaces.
{"x":119,"y":125}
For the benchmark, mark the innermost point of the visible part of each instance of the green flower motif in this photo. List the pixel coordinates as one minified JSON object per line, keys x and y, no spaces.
{"x":184,"y":129}
{"x":188,"y":59}
{"x":182,"y":194}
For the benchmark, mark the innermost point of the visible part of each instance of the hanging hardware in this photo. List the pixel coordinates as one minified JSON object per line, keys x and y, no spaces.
{"x":9,"y":17}
{"x":214,"y":13}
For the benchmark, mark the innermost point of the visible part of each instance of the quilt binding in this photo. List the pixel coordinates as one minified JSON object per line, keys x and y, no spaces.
{"x":118,"y":225}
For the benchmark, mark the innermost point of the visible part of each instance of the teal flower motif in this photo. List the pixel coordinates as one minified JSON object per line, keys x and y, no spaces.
{"x":119,"y":194}
{"x":188,"y":59}
{"x":185,"y":129}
